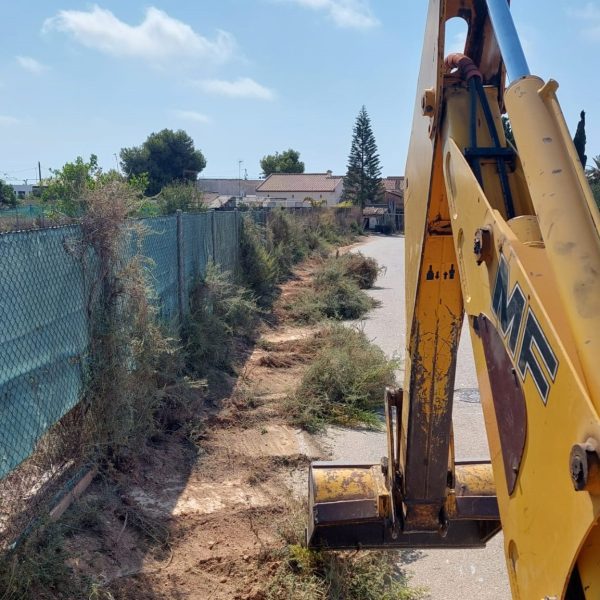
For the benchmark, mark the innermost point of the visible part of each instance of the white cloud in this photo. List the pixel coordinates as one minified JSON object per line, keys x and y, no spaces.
{"x":244,"y":87}
{"x":7,"y":120}
{"x":353,"y":14}
{"x":157,"y":39}
{"x":31,"y":65}
{"x":190,"y":115}
{"x":590,"y":15}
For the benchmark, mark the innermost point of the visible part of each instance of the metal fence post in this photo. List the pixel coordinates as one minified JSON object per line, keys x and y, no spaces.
{"x":180,"y":267}
{"x":212,"y":231}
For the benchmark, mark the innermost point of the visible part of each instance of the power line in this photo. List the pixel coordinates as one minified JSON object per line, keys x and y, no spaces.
{"x":20,"y":170}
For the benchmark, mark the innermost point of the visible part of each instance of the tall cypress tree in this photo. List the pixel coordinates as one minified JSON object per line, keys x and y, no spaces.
{"x":580,"y":139}
{"x":362,"y":184}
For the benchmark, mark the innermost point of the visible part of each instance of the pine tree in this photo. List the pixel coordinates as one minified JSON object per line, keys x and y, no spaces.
{"x":362,"y":184}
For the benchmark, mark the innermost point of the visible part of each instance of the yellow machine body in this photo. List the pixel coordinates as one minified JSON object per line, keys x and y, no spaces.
{"x":508,"y":239}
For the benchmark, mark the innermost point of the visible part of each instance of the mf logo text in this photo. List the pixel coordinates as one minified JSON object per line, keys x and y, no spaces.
{"x":526,"y":342}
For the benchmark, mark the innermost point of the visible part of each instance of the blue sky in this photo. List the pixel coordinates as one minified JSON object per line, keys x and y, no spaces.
{"x":245,"y":77}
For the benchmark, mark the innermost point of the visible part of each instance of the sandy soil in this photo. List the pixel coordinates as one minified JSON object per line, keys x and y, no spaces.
{"x":196,"y":515}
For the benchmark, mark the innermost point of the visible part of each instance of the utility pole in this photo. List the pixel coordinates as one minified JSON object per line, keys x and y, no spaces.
{"x":40,"y":175}
{"x":240,"y":178}
{"x":117,"y":161}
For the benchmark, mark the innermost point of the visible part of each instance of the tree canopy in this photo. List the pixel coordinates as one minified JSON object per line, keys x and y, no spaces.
{"x":165,"y":157}
{"x":8,"y":197}
{"x":66,"y":187}
{"x":362,"y":184}
{"x":284,"y":162}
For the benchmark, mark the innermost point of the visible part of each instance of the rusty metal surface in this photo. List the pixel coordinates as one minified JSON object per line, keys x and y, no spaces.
{"x":339,"y":482}
{"x":350,"y":506}
{"x":374,"y":535}
{"x":508,"y":399}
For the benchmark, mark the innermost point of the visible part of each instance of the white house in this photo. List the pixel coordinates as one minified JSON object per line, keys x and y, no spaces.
{"x":300,"y":189}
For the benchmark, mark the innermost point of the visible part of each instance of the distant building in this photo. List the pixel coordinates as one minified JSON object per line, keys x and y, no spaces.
{"x":300,"y":189}
{"x":214,"y":201}
{"x":24,"y":190}
{"x":229,"y":187}
{"x":389,"y":215}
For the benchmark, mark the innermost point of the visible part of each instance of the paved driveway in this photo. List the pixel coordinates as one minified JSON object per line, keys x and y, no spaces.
{"x":448,"y":574}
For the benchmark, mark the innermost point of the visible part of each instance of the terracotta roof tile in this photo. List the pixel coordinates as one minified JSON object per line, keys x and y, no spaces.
{"x":300,"y":182}
{"x":394,"y":184}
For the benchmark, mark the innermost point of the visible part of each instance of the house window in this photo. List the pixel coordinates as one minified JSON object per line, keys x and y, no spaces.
{"x":320,"y":196}
{"x":292,"y":195}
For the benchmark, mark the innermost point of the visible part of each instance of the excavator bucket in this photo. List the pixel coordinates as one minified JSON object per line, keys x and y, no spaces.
{"x":350,"y":507}
{"x":361,"y":505}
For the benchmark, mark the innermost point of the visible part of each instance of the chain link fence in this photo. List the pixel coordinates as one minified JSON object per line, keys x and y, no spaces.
{"x":44,"y":324}
{"x":48,"y":281}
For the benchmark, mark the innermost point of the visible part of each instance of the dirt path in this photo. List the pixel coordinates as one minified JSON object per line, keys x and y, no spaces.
{"x":213,"y":506}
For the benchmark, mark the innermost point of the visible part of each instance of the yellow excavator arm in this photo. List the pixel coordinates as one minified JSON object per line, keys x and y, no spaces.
{"x":506,"y":237}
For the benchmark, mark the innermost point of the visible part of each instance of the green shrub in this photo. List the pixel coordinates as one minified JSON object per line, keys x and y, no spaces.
{"x":179,"y":196}
{"x":334,"y":295}
{"x":220,"y":312}
{"x":345,"y":382}
{"x":287,"y":240}
{"x":259,"y":267}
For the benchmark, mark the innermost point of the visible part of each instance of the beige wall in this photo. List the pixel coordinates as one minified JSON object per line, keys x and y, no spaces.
{"x":297,"y":198}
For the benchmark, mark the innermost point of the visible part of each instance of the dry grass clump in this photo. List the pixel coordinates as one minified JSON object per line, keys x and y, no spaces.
{"x":334,"y":294}
{"x":221,"y":311}
{"x":364,"y":270}
{"x":344,"y":384}
{"x":38,"y":568}
{"x":306,"y":574}
{"x":45,"y":564}
{"x":130,"y":356}
{"x":288,"y":241}
{"x":258,"y":266}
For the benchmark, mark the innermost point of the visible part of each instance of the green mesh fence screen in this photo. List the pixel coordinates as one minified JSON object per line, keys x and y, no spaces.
{"x":159,"y":245}
{"x":44,"y":293}
{"x":43,"y":335}
{"x":198,"y":247}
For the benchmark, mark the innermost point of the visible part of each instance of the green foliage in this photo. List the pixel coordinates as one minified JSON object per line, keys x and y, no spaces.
{"x":179,"y":196}
{"x":269,"y":253}
{"x":596,"y":191}
{"x":345,"y":382}
{"x":220,"y":312}
{"x":508,"y":132}
{"x":334,"y":294}
{"x":259,"y":267}
{"x":363,"y":184}
{"x":287,"y":161}
{"x":66,"y":187}
{"x":8,"y":196}
{"x":66,"y":190}
{"x":165,"y":157}
{"x":580,"y":139}
{"x":287,"y":241}
{"x":593,"y":176}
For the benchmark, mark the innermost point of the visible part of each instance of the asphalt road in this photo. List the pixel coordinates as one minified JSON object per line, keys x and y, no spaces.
{"x":448,"y":574}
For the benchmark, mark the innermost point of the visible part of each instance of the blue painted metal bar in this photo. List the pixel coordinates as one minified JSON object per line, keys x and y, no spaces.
{"x":508,"y":39}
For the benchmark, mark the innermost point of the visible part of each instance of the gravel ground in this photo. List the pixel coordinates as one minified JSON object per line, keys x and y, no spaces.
{"x":448,"y":574}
